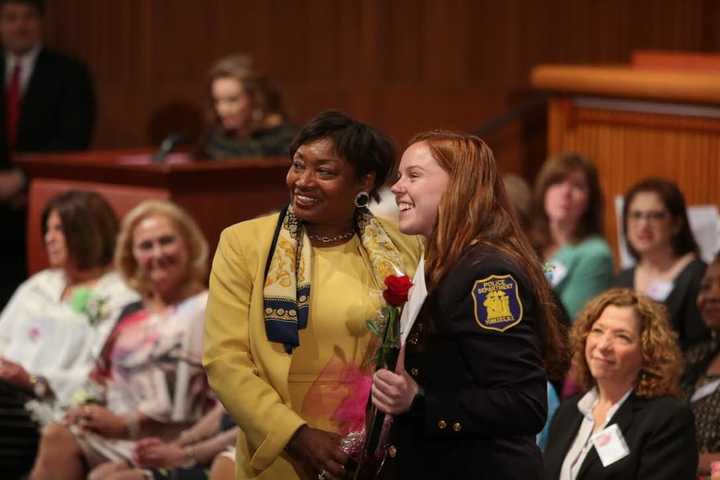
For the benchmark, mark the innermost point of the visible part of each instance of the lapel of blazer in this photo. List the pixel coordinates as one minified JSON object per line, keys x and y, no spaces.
{"x":565,"y":427}
{"x":567,"y":431}
{"x":624,"y":418}
{"x":416,"y":340}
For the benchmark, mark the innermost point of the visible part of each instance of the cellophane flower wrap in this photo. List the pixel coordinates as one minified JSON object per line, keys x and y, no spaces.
{"x":367,"y":426}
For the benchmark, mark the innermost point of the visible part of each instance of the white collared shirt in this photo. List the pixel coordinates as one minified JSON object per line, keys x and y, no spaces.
{"x":418,"y":294}
{"x":582,"y":443}
{"x":27,"y":64}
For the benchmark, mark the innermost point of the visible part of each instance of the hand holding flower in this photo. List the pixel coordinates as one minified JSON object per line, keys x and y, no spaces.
{"x":320,"y":449}
{"x":393,"y":392}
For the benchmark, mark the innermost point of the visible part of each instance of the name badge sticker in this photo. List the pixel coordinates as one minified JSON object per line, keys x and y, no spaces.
{"x":659,"y":290}
{"x":557,"y":274}
{"x":610,"y":445}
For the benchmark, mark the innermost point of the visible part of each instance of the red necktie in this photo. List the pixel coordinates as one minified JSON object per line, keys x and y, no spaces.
{"x":12,"y":102}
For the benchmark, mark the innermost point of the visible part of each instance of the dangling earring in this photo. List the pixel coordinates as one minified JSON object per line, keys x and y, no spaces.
{"x":362,"y":200}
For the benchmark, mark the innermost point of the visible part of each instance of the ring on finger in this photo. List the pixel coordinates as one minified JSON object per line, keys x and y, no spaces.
{"x":323,"y":475}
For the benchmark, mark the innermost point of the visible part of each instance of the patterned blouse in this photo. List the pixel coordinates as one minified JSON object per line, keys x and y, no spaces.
{"x":152,"y":364}
{"x":155,"y":363}
{"x":703,"y":394}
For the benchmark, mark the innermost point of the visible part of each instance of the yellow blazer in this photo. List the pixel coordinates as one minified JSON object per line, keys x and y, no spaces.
{"x":248,"y":373}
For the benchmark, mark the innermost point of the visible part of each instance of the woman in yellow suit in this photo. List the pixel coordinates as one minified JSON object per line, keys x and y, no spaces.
{"x":290,"y":295}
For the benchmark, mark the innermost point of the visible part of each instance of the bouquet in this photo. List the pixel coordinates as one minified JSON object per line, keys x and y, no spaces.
{"x":364,"y":447}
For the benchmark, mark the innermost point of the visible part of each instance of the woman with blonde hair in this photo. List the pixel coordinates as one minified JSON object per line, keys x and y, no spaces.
{"x":150,"y":380}
{"x":247,"y":114}
{"x":628,"y":422}
{"x":469,"y":393}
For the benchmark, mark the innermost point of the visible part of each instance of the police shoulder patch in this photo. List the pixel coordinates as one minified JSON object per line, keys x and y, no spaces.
{"x":497,"y":302}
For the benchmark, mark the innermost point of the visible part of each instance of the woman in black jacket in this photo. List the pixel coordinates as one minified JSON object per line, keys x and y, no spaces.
{"x":629,"y":423}
{"x":469,"y":393}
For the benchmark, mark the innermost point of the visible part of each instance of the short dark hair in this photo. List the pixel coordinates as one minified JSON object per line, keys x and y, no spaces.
{"x":89,"y":224}
{"x":38,"y":5}
{"x":365,"y":148}
{"x":672,"y":198}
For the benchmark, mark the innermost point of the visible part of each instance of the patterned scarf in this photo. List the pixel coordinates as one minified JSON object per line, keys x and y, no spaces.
{"x":286,"y":302}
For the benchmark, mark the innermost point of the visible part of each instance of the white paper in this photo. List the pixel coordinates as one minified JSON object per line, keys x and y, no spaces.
{"x":417,"y":296}
{"x":610,"y":445}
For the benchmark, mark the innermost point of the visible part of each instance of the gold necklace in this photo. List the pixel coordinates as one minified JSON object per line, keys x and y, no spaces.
{"x":325,"y":239}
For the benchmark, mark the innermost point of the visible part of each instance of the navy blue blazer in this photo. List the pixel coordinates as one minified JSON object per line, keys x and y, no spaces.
{"x":482,"y":372}
{"x":660,"y":433}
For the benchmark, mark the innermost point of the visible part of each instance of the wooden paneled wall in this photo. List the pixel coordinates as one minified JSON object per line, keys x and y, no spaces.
{"x":630,"y":146}
{"x":403,"y":65}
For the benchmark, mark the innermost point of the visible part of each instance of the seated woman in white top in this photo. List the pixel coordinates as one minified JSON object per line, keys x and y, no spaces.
{"x":629,"y":423}
{"x":57,"y":321}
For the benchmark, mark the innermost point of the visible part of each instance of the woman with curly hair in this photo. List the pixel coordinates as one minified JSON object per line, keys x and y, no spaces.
{"x":629,"y":423}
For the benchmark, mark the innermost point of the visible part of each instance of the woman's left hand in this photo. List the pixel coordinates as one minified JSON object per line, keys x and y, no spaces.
{"x":393,"y":393}
{"x":100,"y":420}
{"x":154,"y":453}
{"x":14,"y":373}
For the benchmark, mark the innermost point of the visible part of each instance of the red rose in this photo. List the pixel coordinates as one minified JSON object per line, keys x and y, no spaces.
{"x":396,"y":293}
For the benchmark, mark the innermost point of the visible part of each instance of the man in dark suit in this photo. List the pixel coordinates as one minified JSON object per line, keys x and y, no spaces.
{"x":47,"y":105}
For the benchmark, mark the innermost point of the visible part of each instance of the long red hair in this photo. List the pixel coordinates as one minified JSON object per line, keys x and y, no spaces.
{"x":476,"y":210}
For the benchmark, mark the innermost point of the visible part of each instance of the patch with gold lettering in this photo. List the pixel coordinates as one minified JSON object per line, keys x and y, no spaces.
{"x":497,"y":302}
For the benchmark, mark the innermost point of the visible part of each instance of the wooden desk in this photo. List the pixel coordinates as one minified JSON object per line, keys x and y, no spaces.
{"x":216,"y":193}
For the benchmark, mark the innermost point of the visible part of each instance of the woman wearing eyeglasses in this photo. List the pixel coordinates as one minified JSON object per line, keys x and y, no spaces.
{"x":668,"y":267}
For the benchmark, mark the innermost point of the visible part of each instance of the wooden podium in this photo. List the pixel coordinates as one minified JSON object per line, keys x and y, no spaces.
{"x":659,"y":116}
{"x":216,"y":193}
